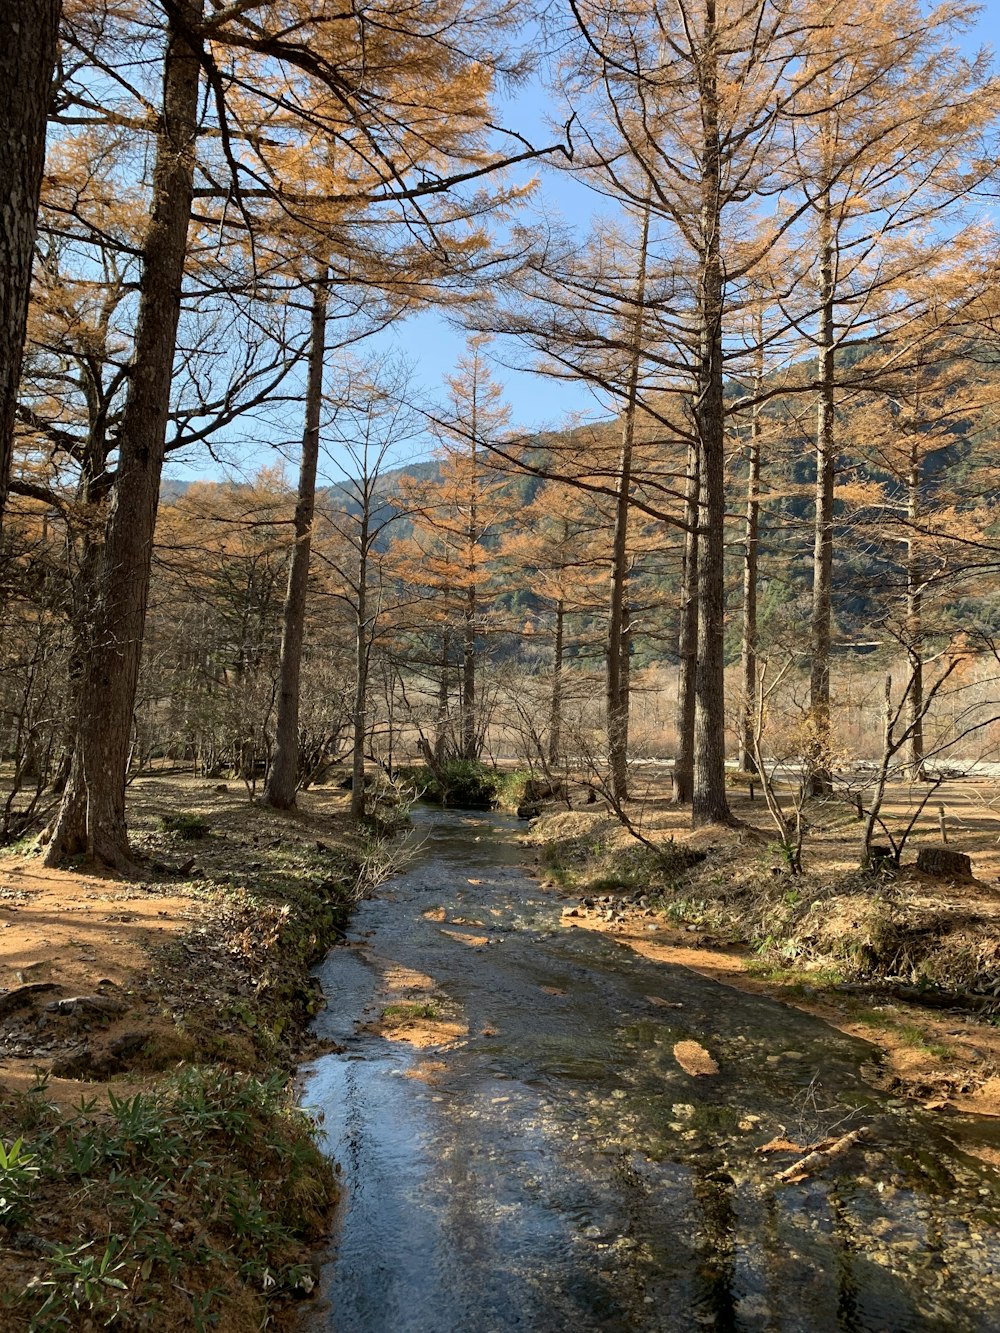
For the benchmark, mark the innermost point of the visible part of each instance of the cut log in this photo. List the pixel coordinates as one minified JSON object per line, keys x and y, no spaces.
{"x":943,"y":863}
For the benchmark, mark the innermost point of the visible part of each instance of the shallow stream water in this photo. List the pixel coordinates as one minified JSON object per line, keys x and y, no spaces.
{"x":557,"y":1170}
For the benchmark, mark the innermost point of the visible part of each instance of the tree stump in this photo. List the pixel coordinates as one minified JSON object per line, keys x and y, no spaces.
{"x":943,"y":863}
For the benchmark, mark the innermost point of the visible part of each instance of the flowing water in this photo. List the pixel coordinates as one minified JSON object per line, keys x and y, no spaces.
{"x":558,"y":1170}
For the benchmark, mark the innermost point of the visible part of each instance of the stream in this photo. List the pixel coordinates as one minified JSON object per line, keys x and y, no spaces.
{"x":556,"y":1169}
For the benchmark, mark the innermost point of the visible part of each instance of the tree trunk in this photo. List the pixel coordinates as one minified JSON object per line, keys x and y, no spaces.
{"x":914,"y":621}
{"x":617,"y":699}
{"x":362,"y":644}
{"x":555,"y":702}
{"x":616,"y":685}
{"x":29,"y":31}
{"x":748,"y":653}
{"x":92,"y":815}
{"x":626,"y":667}
{"x":469,"y":738}
{"x":282,"y":780}
{"x":820,"y":781}
{"x":470,"y":747}
{"x":441,"y":728}
{"x":709,"y":803}
{"x":687,"y":644}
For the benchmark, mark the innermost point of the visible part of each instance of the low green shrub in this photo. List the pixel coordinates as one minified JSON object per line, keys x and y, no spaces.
{"x":186,"y":825}
{"x":464,"y":784}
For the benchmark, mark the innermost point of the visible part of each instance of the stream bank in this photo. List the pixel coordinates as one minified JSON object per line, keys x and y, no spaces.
{"x":149,"y":1030}
{"x":523,"y":1147}
{"x":907,"y":961}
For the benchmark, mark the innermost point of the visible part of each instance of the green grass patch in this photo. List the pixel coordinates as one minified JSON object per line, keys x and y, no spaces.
{"x":909,"y":1033}
{"x":409,"y":1012}
{"x":795,"y":980}
{"x":191,"y":1207}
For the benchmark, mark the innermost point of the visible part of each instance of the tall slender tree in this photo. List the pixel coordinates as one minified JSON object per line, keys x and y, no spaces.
{"x":888,"y":144}
{"x":282,"y":778}
{"x":92,"y":815}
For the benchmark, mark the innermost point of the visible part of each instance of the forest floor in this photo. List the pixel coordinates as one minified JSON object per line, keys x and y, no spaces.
{"x":909,"y":962}
{"x":149,"y":1032}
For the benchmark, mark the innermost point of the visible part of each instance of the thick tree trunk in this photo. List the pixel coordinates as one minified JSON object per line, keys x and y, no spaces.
{"x":92,"y":815}
{"x":555,"y":700}
{"x":282,"y":780}
{"x":616,"y":682}
{"x":820,"y":782}
{"x":709,"y":803}
{"x":748,"y":653}
{"x":28,"y":33}
{"x":687,"y":640}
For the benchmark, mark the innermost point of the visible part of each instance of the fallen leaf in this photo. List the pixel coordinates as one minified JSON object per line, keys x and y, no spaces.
{"x":694,"y":1059}
{"x":781,"y":1145}
{"x":463,"y":937}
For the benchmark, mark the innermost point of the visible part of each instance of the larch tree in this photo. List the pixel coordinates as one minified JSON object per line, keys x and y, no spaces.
{"x":283,"y":774}
{"x":455,"y":517}
{"x":91,"y":818}
{"x":888,"y":142}
{"x":360,"y":61}
{"x":682,"y":105}
{"x":380,"y":274}
{"x":925,"y":487}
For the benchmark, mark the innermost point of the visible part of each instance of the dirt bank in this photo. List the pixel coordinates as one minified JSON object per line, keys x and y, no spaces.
{"x":148,"y":1028}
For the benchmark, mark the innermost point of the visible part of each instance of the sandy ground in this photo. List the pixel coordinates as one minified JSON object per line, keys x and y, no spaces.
{"x":72,"y":961}
{"x":81,"y":994}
